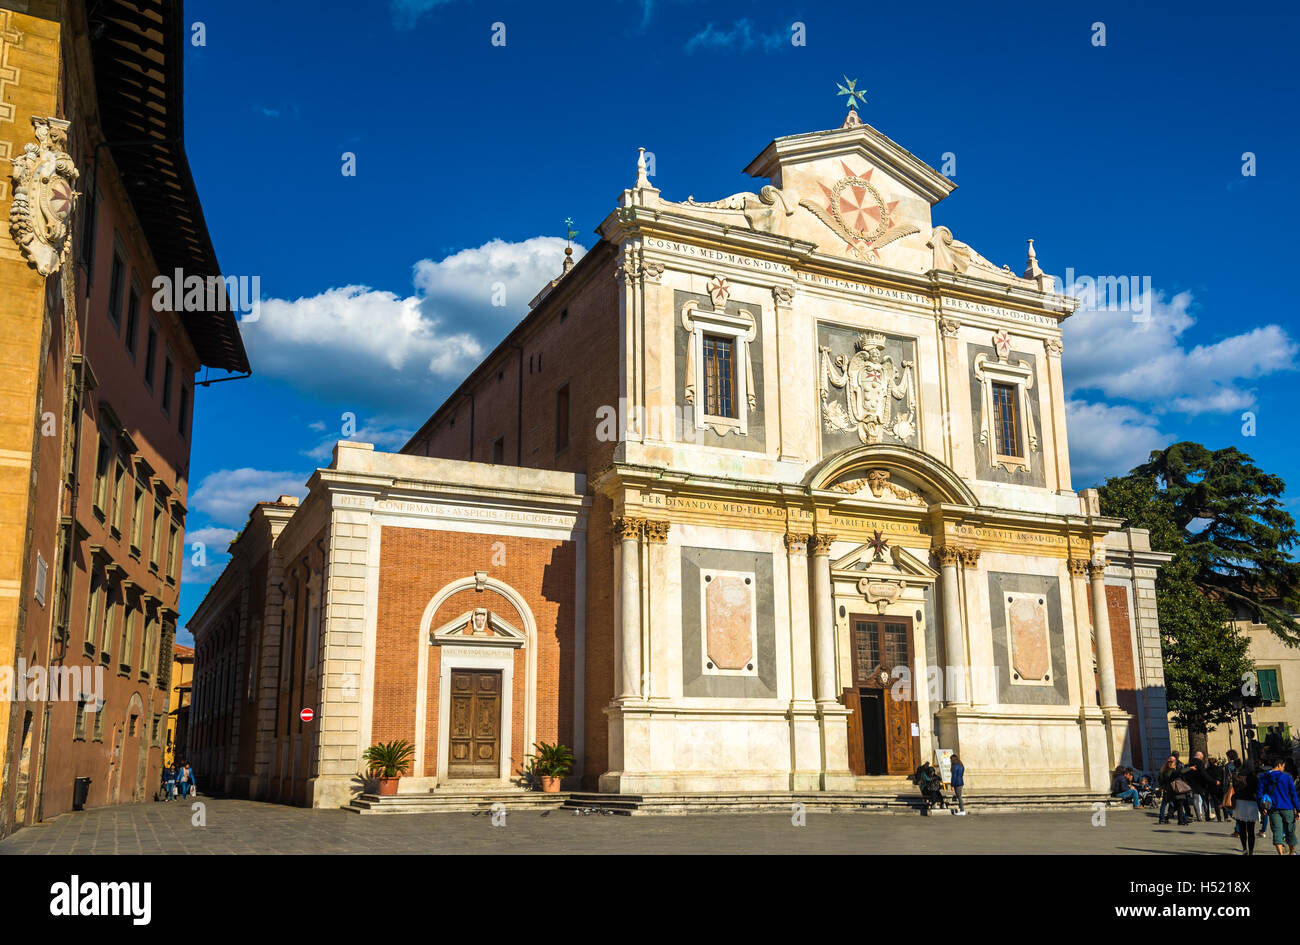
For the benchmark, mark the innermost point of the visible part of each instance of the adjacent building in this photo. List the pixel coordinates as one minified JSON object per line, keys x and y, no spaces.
{"x":96,"y":409}
{"x":178,"y":705}
{"x":765,"y":493}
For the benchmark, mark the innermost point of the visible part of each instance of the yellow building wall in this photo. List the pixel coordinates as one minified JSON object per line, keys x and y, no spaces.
{"x":29,"y":82}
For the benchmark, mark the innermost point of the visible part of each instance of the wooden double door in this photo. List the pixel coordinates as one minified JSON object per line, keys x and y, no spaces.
{"x":880,"y":725}
{"x":474,"y":742}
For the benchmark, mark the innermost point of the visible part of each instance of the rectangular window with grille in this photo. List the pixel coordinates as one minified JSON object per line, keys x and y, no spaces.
{"x":719,"y":376}
{"x":1005,"y":421}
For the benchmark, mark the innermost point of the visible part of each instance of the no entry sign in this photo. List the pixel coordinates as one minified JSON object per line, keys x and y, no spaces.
{"x":306,"y":715}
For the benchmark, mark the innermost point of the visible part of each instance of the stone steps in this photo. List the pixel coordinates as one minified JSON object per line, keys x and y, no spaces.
{"x":821,"y":801}
{"x":876,"y":801}
{"x":446,"y":802}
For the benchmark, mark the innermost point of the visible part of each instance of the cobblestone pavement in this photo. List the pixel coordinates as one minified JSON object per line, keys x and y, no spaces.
{"x":237,"y":826}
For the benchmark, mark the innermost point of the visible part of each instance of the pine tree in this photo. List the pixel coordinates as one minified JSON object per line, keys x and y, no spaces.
{"x":1222,"y":519}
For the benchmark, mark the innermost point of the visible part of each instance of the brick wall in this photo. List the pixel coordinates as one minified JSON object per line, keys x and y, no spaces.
{"x":1121,"y":646}
{"x":414,"y":565}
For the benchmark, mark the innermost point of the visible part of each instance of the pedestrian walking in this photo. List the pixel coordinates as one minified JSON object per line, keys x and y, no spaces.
{"x":958,"y":785}
{"x":169,"y":781}
{"x":1241,"y":800}
{"x":1277,"y":794}
{"x":1174,"y":793}
{"x":186,"y":780}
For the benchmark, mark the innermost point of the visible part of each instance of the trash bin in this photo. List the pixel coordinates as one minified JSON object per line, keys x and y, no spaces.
{"x":80,"y":791}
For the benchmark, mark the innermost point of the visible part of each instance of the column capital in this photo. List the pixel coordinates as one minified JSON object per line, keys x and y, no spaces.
{"x":947,"y":554}
{"x":656,"y":531}
{"x":627,"y":527}
{"x":1097,"y":568}
{"x":1078,"y":566}
{"x":970,"y":557}
{"x":796,"y":544}
{"x":821,"y":543}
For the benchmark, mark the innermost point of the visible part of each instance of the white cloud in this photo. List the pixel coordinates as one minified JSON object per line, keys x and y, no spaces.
{"x":370,"y":348}
{"x":1108,"y":440}
{"x":226,"y":496}
{"x":215,"y":541}
{"x":1146,"y":361}
{"x":741,"y":36}
{"x":386,"y":438}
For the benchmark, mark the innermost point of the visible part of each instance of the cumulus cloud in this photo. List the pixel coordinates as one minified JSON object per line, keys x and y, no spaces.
{"x":226,"y":496}
{"x":371,"y":348}
{"x":213,"y":541}
{"x":385,"y":437}
{"x":1145,"y":359}
{"x":1109,"y":440}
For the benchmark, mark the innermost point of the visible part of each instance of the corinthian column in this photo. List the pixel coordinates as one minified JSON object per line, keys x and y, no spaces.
{"x":1101,"y":630}
{"x":954,"y":644}
{"x":824,"y":618}
{"x":628,"y":531}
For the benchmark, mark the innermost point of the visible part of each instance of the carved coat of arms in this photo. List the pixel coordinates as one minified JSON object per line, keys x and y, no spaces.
{"x":872,"y":385}
{"x":44,"y":196}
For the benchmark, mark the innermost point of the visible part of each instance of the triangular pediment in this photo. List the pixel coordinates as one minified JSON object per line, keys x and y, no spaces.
{"x":898,"y":563}
{"x":480,"y":626}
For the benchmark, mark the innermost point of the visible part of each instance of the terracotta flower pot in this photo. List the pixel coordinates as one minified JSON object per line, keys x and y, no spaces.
{"x":550,"y":784}
{"x":388,"y":786}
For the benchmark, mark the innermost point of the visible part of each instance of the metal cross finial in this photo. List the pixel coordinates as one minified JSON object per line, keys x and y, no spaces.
{"x":850,"y":88}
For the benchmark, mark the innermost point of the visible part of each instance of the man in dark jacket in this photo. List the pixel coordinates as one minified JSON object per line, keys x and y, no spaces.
{"x":1195,"y":775}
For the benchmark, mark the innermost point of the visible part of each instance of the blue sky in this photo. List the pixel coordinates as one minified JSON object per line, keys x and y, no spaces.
{"x":1124,"y":159}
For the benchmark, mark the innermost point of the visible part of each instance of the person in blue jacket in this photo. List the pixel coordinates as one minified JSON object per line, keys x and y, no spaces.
{"x":958,"y":783}
{"x":1282,"y":805}
{"x":186,"y":780}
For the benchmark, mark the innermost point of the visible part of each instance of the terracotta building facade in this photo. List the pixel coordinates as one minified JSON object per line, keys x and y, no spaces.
{"x":765,"y":493}
{"x":98,"y":400}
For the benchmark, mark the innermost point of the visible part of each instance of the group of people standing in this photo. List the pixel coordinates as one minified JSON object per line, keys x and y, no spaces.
{"x":1248,"y":792}
{"x":178,"y":779}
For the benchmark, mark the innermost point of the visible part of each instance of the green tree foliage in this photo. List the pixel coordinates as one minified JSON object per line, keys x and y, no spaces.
{"x":1226,"y":515}
{"x":1222,"y":519}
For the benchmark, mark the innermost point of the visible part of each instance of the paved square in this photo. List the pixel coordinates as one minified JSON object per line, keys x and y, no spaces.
{"x":238,"y":826}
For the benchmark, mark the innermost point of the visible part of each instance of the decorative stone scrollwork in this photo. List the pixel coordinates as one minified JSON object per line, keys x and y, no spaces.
{"x":970,"y":557}
{"x":652,"y":272}
{"x":628,"y":527}
{"x":1077,"y":566}
{"x":949,"y":326}
{"x":870,"y":384}
{"x":656,"y":531}
{"x":783,"y":295}
{"x":44,"y":196}
{"x":877,"y":480}
{"x":1097,"y":567}
{"x":881,"y":593}
{"x":796,"y":544}
{"x":949,"y":255}
{"x":1054,"y":347}
{"x":821,"y":544}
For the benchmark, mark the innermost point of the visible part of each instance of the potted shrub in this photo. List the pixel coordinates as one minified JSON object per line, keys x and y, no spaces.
{"x":549,"y":765}
{"x":388,"y":761}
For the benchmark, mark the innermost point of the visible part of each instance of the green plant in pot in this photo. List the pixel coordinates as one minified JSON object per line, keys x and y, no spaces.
{"x":549,"y":765}
{"x":388,"y":762}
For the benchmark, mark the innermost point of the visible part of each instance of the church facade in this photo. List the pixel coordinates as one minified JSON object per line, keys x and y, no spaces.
{"x":765,"y":493}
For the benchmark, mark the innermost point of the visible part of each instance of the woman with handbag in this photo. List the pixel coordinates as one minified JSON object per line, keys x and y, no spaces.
{"x":1242,"y":800}
{"x":1175,"y":793}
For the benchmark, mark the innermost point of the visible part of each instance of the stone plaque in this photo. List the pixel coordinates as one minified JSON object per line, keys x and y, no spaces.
{"x":1031,"y":657}
{"x":729,"y":621}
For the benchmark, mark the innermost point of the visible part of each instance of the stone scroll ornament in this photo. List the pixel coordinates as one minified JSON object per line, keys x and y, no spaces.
{"x":45,"y":196}
{"x":870,"y":386}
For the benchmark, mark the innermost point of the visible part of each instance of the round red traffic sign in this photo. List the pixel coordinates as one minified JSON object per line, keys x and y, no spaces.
{"x":306,"y":715}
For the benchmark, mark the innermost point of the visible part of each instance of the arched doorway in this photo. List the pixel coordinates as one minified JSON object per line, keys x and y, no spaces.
{"x":885,"y":595}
